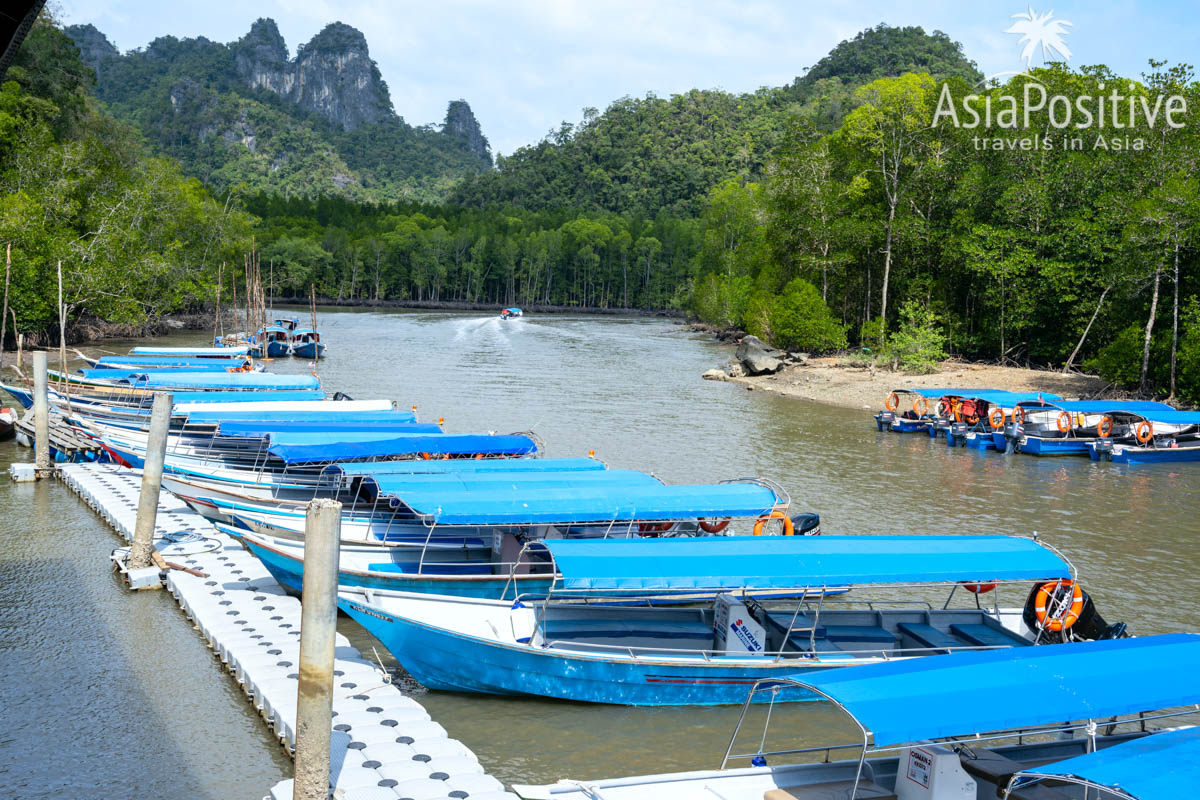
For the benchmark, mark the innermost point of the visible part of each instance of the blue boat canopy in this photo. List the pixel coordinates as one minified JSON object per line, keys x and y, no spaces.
{"x":762,"y":562}
{"x":1161,"y":766}
{"x":973,"y":692}
{"x":1147,"y":409}
{"x":305,"y":447}
{"x":181,"y":398}
{"x":274,"y":329}
{"x":936,"y":393}
{"x":190,"y":351}
{"x":135,"y":374}
{"x":304,"y":331}
{"x":259,"y":429}
{"x":215,"y":380}
{"x":298,"y":415}
{"x":458,"y":466}
{"x":524,"y":484}
{"x":599,"y":503}
{"x":133,"y":362}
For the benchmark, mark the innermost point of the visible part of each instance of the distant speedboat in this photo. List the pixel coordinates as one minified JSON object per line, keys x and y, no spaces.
{"x":509,"y":313}
{"x":306,"y":343}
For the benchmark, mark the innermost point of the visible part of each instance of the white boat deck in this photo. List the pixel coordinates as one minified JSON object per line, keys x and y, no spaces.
{"x":384,"y":744}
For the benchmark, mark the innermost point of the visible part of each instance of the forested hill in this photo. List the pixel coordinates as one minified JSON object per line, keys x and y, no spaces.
{"x":652,"y":154}
{"x":318,"y":123}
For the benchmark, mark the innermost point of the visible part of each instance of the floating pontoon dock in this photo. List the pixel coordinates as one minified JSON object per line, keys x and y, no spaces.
{"x":384,"y":744}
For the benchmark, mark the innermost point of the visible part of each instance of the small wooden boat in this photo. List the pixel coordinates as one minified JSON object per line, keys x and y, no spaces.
{"x":561,"y":646}
{"x":511,"y":313}
{"x":1024,"y":724}
{"x":306,"y":343}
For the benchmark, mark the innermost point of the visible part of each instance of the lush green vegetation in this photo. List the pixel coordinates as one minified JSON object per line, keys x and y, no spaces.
{"x":826,"y":214}
{"x":1077,"y":247}
{"x":189,"y":100}
{"x":134,"y":236}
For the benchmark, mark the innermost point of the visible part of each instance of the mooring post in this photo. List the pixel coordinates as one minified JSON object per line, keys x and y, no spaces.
{"x":41,"y":416}
{"x":318,"y":628}
{"x":142,"y":552}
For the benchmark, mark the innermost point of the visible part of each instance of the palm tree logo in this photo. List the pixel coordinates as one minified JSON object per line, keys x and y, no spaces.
{"x":1040,"y":31}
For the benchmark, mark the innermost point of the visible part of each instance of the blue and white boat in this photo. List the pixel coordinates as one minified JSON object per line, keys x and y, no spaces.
{"x":306,"y":343}
{"x":978,"y":414}
{"x":274,"y":341}
{"x":193,"y":352}
{"x":1165,"y":436}
{"x":491,"y":515}
{"x":511,"y":313}
{"x":561,"y":646}
{"x":1026,"y":724}
{"x":927,"y":407}
{"x":1071,"y":427}
{"x":240,"y":363}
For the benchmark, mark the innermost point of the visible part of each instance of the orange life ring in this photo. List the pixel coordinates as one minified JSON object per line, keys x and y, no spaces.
{"x":1104,"y":427}
{"x":714,"y":526}
{"x":1064,"y":422}
{"x":979,"y":588}
{"x":655,"y":527}
{"x":1019,"y":415}
{"x":1043,"y":599}
{"x":921,"y":406}
{"x":945,"y":408}
{"x":957,"y":412}
{"x":996,"y":418}
{"x":892,"y":402}
{"x":760,"y":524}
{"x":427,"y":456}
{"x":1144,"y":431}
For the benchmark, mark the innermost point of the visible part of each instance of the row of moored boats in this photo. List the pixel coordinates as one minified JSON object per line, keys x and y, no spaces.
{"x":973,"y":665}
{"x":1043,"y":424}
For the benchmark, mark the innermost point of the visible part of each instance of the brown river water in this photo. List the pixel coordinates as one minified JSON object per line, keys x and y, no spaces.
{"x":108,"y":694}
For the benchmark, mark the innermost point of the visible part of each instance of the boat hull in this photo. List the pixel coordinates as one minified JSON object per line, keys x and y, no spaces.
{"x":1039,"y":446}
{"x":1129,"y":454}
{"x":308,"y":350}
{"x":442,"y":659}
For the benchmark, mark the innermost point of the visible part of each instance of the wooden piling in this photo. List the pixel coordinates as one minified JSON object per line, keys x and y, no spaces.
{"x":318,"y":629}
{"x":41,"y":415}
{"x":141,"y":555}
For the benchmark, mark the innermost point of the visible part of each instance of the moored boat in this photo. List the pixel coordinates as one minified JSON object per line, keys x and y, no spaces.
{"x":963,"y":726}
{"x":1072,"y":428}
{"x":306,"y":343}
{"x":978,"y":414}
{"x":560,"y":646}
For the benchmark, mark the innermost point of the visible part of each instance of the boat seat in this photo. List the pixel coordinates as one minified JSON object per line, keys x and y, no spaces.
{"x":929,"y":636}
{"x":833,"y":790}
{"x":996,"y":769}
{"x":859,"y":633}
{"x":986,"y":636}
{"x":608,"y":628}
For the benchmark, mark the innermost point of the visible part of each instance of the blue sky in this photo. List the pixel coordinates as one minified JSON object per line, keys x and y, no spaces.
{"x":526,"y":65}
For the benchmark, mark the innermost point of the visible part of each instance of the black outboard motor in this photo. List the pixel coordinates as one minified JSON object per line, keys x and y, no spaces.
{"x":956,"y":434}
{"x":884,"y":419}
{"x":806,"y":525}
{"x":1012,"y":434}
{"x":1090,"y":625}
{"x":341,"y":396}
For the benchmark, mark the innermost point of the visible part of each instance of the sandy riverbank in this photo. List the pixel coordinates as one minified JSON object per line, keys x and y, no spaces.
{"x":841,"y":382}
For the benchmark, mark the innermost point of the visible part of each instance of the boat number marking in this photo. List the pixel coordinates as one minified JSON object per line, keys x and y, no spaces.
{"x":371,"y":612}
{"x":919,"y":765}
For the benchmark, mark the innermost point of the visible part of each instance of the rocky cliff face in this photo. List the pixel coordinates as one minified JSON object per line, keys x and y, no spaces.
{"x":461,"y":125}
{"x":333,"y":75}
{"x":93,"y":45}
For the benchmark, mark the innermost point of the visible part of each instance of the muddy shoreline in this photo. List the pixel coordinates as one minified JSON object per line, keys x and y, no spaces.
{"x":851,"y":382}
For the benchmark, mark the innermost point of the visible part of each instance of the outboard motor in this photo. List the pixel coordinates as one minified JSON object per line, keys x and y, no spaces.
{"x":341,"y":396}
{"x":1102,"y":450}
{"x":885,"y":419}
{"x":1012,"y":434}
{"x":806,"y":524}
{"x":956,"y":434}
{"x":1089,"y":625}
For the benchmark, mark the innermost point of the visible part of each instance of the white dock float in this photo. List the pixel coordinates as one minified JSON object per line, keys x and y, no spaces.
{"x":385,"y":745}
